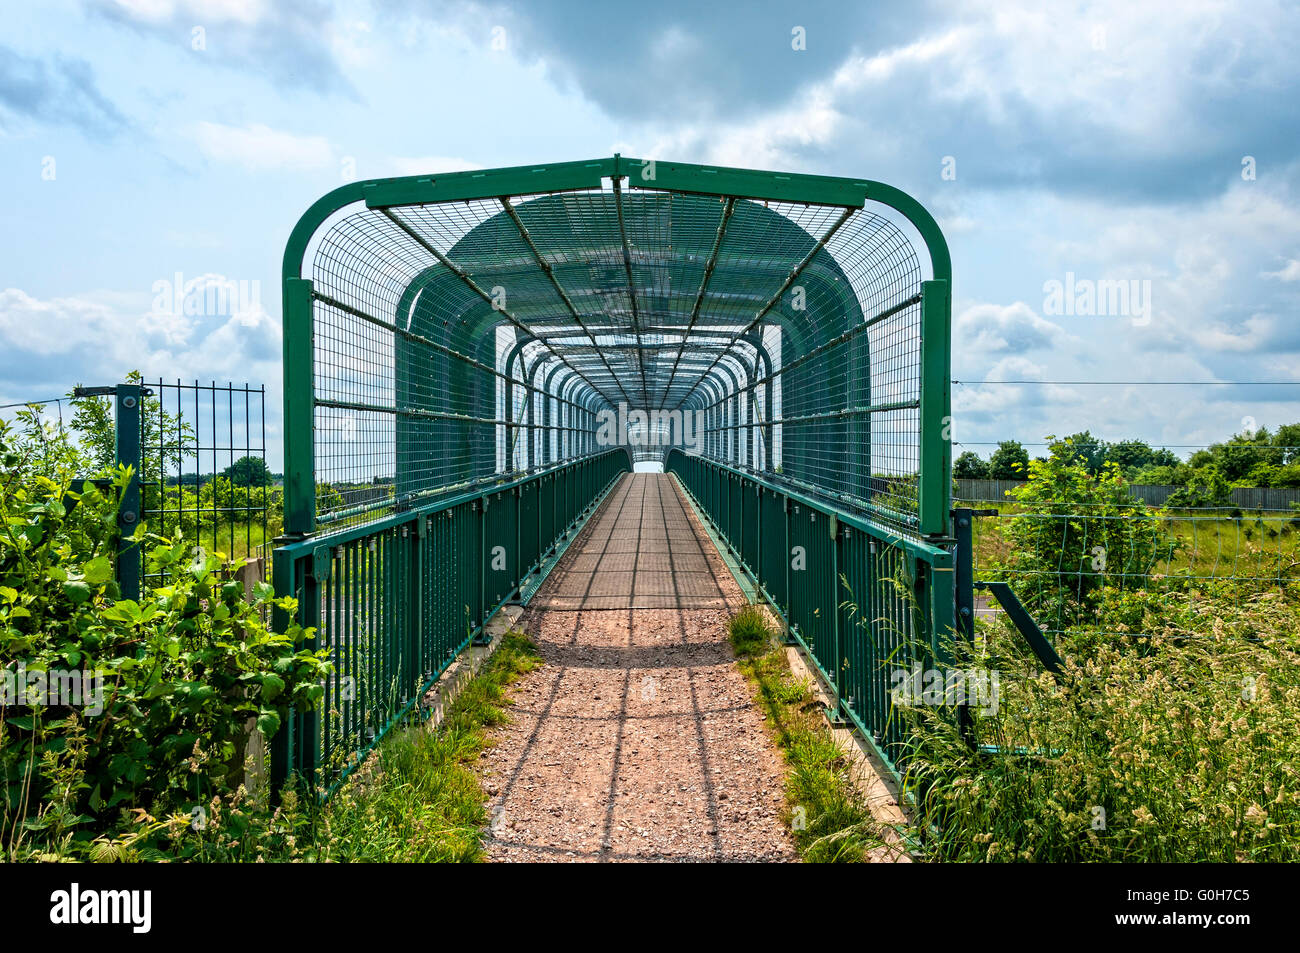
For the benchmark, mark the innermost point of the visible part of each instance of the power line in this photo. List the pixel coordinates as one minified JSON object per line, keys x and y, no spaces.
{"x":1144,"y":383}
{"x":1106,"y":443}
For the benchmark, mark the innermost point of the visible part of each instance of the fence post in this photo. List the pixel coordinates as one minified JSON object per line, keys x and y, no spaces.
{"x":299,"y":412}
{"x":127,"y":454}
{"x":293,"y":747}
{"x":935,"y":477}
{"x":964,"y":597}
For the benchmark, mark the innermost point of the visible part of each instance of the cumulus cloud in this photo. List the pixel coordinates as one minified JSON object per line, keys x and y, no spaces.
{"x":1009,"y":329}
{"x":98,"y":337}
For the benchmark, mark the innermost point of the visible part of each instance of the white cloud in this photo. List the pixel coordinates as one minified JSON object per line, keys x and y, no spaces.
{"x":99,"y":336}
{"x":1013,"y":328}
{"x":260,"y":147}
{"x":1289,"y":272}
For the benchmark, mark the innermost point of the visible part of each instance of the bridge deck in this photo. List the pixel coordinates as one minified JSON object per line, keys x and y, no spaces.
{"x":638,"y":739}
{"x":642,"y":550}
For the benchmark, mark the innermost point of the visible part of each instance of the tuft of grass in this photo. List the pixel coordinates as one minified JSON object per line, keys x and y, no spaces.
{"x":749,"y":632}
{"x":826,"y":813}
{"x":422,"y":801}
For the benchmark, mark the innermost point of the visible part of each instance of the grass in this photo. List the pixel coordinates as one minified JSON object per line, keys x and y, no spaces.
{"x":420,"y":800}
{"x":826,"y":813}
{"x":417,"y":799}
{"x":1179,"y":745}
{"x":1210,"y":544}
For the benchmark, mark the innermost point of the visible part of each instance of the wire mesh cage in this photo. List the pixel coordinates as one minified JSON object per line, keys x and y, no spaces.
{"x":460,"y":342}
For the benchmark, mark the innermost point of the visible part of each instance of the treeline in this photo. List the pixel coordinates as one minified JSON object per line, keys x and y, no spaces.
{"x":1259,"y":458}
{"x":246,"y":471}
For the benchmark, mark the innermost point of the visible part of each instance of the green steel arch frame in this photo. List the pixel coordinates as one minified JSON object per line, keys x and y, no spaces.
{"x":473,"y":329}
{"x":732,"y":184}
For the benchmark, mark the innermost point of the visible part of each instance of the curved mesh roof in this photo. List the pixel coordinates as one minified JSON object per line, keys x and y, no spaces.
{"x":462,"y":338}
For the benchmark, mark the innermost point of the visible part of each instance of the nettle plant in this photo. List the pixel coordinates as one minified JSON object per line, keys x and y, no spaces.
{"x":177,"y":678}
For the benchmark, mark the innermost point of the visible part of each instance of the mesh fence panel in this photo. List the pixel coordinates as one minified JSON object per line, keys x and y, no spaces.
{"x":458,"y":343}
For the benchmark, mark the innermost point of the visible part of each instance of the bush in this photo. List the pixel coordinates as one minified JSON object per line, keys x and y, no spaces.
{"x":154,"y":696}
{"x":1081,"y":533}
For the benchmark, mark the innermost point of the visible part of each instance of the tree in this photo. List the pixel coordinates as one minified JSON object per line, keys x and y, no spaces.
{"x":164,"y":436}
{"x":1205,"y":487}
{"x":1010,"y":461}
{"x":970,"y":466}
{"x":248,"y":471}
{"x":1287,"y":441}
{"x":1243,"y":452}
{"x":1086,"y":450}
{"x":1134,"y":455}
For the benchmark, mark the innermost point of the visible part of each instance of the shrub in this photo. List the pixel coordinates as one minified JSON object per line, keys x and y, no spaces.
{"x":171,"y":681}
{"x":1082,"y":533}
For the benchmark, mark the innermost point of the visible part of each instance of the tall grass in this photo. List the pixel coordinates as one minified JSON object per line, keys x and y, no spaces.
{"x":1178,"y":740}
{"x":826,"y":813}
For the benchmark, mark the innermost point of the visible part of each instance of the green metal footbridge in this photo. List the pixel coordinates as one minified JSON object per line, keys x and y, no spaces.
{"x":472,"y":361}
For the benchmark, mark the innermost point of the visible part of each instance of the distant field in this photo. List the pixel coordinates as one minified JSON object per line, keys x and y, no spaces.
{"x":1212,"y":544}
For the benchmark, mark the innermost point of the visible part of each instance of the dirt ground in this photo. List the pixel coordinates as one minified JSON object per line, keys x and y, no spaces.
{"x":638,"y":739}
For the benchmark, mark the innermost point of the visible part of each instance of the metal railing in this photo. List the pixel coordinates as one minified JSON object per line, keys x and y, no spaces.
{"x":863,"y":601}
{"x":396,"y":599}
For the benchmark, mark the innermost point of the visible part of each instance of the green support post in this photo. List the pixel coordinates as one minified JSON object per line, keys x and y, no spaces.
{"x":299,"y":411}
{"x":935,"y":476}
{"x":127,"y":454}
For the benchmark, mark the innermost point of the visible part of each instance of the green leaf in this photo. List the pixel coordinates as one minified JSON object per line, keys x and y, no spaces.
{"x":268,"y":722}
{"x":272,"y":686}
{"x":76,"y":591}
{"x":98,"y":571}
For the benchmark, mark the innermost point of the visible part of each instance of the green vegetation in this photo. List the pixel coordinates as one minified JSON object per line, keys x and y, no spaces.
{"x":1086,"y":531}
{"x":248,"y":471}
{"x":1174,"y":733}
{"x":113,"y":706}
{"x":1181,"y":743}
{"x":827,"y":814}
{"x":1253,"y":458}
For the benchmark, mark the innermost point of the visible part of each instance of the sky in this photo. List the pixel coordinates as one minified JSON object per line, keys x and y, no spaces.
{"x":1063,"y":148}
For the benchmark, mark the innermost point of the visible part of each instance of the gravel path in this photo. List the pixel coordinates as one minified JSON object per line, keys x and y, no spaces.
{"x":638,"y":738}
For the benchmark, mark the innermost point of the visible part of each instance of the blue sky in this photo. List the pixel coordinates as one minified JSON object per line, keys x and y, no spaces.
{"x":1130,"y":142}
